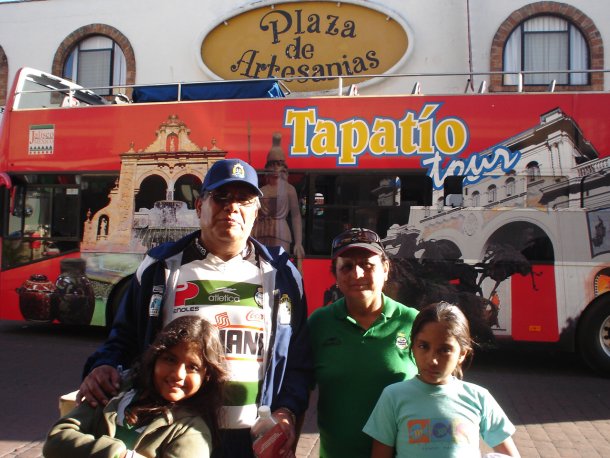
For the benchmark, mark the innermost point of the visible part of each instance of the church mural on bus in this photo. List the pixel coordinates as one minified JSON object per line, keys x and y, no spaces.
{"x":153,"y":200}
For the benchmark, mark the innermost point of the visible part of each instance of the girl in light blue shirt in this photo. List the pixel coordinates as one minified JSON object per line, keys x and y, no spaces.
{"x":436,"y":414}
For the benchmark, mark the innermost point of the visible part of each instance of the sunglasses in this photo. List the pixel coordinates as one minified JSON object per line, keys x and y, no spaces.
{"x":356,"y":235}
{"x":224,"y":198}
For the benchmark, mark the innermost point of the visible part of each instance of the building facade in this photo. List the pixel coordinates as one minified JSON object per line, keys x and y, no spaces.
{"x":466,"y":44}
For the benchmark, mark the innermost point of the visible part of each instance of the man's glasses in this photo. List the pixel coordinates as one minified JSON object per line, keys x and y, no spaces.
{"x":356,"y":235}
{"x":224,"y":198}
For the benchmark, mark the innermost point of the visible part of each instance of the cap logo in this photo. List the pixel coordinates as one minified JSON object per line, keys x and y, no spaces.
{"x":238,"y":171}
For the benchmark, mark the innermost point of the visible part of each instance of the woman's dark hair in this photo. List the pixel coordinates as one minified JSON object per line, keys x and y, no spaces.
{"x":456,"y":323}
{"x":207,"y":402}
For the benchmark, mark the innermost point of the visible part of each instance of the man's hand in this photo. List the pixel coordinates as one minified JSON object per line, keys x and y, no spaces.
{"x":101,"y":384}
{"x":287,"y":420}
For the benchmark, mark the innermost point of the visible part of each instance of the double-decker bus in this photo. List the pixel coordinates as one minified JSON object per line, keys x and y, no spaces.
{"x":497,"y":202}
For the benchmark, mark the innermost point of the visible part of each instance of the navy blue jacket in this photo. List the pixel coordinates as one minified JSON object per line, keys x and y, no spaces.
{"x":289,"y":369}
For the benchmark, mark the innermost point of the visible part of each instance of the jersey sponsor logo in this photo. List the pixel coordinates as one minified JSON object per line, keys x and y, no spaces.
{"x":242,"y":343}
{"x":222,"y":320}
{"x":255,"y":316}
{"x":186,"y":308}
{"x":215,"y":292}
{"x":184,"y":292}
{"x":223,"y":296}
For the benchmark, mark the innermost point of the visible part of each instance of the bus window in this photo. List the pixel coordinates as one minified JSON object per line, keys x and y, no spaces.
{"x":452,"y":188}
{"x":388,"y":191}
{"x":43,"y":221}
{"x":64,"y":214}
{"x":375,"y":201}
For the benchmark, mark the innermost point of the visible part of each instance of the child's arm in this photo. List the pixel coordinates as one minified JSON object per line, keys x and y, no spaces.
{"x":82,"y":433}
{"x":508,"y":448}
{"x":381,"y":450}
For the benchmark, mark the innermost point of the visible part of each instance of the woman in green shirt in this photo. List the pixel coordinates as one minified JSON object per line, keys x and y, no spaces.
{"x":359,"y":344}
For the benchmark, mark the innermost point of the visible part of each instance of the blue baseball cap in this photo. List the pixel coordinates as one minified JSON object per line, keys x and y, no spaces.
{"x":230,"y":171}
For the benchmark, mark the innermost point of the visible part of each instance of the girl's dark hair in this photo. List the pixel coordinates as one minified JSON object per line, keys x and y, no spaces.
{"x":456,"y":323}
{"x":207,"y":402}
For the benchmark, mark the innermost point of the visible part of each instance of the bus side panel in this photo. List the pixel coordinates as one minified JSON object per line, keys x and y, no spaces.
{"x":319,"y":283}
{"x":11,"y":280}
{"x":534,"y":305}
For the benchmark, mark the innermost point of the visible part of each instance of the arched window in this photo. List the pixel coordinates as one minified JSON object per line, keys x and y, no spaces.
{"x":546,"y":44}
{"x":533,"y":171}
{"x":476,"y":199}
{"x":492,"y":193}
{"x":440,"y":202}
{"x":547,"y":36}
{"x":510,"y":187}
{"x":96,"y":61}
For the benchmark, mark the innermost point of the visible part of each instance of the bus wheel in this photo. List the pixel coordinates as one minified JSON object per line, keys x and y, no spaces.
{"x":594,"y":337}
{"x":114,"y":300}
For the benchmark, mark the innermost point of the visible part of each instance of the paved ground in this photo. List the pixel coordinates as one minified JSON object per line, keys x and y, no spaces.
{"x":559,"y":407}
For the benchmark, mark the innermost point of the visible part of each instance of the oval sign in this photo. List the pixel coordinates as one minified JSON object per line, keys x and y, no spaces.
{"x":305,"y":39}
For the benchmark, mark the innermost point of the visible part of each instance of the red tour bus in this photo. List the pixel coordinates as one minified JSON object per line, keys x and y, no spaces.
{"x":497,"y":202}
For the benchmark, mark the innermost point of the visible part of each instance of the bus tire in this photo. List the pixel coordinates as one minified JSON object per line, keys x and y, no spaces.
{"x":114,"y":300}
{"x":594,"y":337}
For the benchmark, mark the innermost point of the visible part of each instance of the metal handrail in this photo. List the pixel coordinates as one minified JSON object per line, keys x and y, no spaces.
{"x":343,"y":80}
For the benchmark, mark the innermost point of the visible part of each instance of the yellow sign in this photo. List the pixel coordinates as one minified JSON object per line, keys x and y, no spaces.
{"x":305,"y":41}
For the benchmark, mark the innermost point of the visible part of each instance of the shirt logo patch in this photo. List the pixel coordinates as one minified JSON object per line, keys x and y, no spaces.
{"x":331,"y":341}
{"x":442,"y":431}
{"x":258,"y":297}
{"x":419,"y":431}
{"x":155,"y":305}
{"x":401,"y":341}
{"x":285,"y":310}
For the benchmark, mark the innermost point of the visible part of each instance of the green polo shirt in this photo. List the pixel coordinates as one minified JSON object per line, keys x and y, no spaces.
{"x":352,"y":367}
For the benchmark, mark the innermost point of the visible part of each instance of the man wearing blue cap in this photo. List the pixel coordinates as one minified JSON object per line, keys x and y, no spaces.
{"x":253,"y":294}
